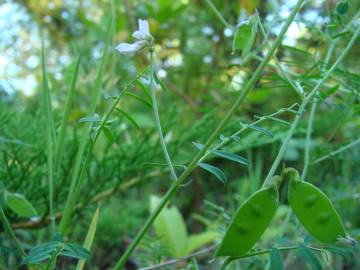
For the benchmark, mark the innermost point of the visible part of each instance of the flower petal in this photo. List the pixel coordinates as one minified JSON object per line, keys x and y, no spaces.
{"x":144,"y":27}
{"x":139,"y":35}
{"x":130,"y":49}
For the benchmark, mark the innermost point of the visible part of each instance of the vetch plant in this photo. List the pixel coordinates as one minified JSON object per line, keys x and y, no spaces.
{"x":114,"y":134}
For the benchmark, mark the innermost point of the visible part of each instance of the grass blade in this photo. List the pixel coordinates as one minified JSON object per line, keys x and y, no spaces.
{"x":64,"y":122}
{"x":49,"y":123}
{"x":71,"y":199}
{"x":89,"y":237}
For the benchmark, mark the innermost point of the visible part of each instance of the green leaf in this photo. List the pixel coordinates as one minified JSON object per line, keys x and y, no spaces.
{"x":241,"y":37}
{"x":260,"y":129}
{"x":142,"y":82}
{"x":215,"y":171}
{"x":276,"y":262}
{"x":138,"y":98}
{"x":95,"y":119}
{"x":196,"y":241}
{"x":170,"y":228}
{"x":75,"y":251}
{"x":329,"y":92}
{"x":42,"y":252}
{"x":20,"y":205}
{"x":230,"y":156}
{"x":245,"y":36}
{"x":128,"y":117}
{"x":108,"y":134}
{"x":198,"y":145}
{"x":342,"y":7}
{"x":279,"y":120}
{"x":308,"y":256}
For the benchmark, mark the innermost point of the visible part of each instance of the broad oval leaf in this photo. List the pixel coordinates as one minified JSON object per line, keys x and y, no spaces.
{"x":170,"y":227}
{"x":215,"y":171}
{"x":20,"y":205}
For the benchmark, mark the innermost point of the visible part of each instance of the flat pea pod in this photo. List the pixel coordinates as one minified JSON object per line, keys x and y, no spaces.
{"x":249,"y":223}
{"x":315,"y":211}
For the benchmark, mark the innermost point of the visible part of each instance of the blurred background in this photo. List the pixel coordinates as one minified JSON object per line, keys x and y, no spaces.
{"x":202,"y":78}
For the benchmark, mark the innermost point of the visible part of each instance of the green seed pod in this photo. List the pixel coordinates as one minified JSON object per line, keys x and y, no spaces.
{"x":249,"y":223}
{"x":315,"y":211}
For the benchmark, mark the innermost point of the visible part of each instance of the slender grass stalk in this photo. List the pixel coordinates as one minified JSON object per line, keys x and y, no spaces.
{"x":89,"y":237}
{"x":307,"y":141}
{"x":7,"y":227}
{"x":70,"y":201}
{"x":218,"y":14}
{"x":305,"y":101}
{"x":64,"y":122}
{"x":193,"y":164}
{"x":49,"y":139}
{"x":157,"y":117}
{"x":336,"y":152}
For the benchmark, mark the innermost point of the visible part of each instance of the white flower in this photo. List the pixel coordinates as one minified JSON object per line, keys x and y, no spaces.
{"x":130,"y":48}
{"x":142,"y":36}
{"x":143,"y":32}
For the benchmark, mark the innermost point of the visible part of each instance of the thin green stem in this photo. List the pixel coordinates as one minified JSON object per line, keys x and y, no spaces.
{"x":245,"y":127}
{"x":218,"y":14}
{"x":49,"y":140}
{"x":314,"y":107}
{"x":305,"y":101}
{"x":193,"y":164}
{"x":7,"y":227}
{"x":336,"y":152}
{"x":308,"y":141}
{"x":277,"y":62}
{"x":157,"y":117}
{"x":264,"y":251}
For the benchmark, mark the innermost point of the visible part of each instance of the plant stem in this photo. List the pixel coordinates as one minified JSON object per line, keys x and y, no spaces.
{"x":245,"y":127}
{"x":301,"y":110}
{"x":333,"y":153}
{"x":182,"y":259}
{"x":265,"y":251}
{"x":307,"y":142}
{"x":314,"y":106}
{"x":157,"y":117}
{"x":193,"y":164}
{"x":218,"y":14}
{"x":277,"y":62}
{"x":10,"y":232}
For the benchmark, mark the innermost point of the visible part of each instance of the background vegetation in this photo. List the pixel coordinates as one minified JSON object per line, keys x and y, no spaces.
{"x":199,"y":77}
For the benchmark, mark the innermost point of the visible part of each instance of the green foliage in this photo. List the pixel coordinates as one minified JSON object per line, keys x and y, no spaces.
{"x":19,"y":204}
{"x":170,"y":227}
{"x":96,"y":139}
